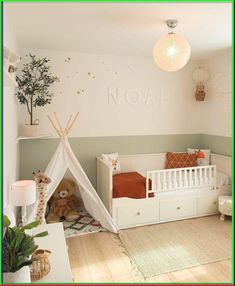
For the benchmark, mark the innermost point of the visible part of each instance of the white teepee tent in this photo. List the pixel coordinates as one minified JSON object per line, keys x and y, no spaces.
{"x":63,"y":160}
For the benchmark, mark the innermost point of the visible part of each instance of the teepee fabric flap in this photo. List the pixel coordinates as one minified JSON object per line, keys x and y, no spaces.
{"x":63,"y":160}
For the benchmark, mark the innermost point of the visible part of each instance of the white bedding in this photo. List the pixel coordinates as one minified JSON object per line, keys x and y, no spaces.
{"x":222,"y":179}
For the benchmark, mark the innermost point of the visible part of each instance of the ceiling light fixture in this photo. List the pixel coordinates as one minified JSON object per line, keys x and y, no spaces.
{"x":172,"y":51}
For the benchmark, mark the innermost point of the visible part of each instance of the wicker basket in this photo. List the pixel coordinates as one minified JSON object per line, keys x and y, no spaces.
{"x":200,"y":96}
{"x":41,"y":265}
{"x":200,"y":93}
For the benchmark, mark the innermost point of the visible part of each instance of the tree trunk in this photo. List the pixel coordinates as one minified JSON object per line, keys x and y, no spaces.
{"x":31,"y":110}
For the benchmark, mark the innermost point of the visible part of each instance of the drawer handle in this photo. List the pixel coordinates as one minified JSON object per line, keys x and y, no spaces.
{"x":215,"y":203}
{"x":178,"y":208}
{"x":138,"y":213}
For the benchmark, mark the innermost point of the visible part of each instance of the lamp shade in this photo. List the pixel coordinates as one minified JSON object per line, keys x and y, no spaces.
{"x":23,"y":193}
{"x":171,"y":52}
{"x":200,"y":75}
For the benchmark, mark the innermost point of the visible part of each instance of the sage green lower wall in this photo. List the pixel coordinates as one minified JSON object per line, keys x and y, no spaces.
{"x":218,"y":144}
{"x":35,"y":154}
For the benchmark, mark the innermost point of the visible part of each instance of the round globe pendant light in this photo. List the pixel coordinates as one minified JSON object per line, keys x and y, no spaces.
{"x":172,"y":51}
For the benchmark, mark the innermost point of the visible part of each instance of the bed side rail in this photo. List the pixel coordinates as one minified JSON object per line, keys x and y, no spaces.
{"x":104,"y":183}
{"x":180,"y":178}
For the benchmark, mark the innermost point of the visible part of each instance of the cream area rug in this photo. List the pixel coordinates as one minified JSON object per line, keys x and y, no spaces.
{"x":173,"y":246}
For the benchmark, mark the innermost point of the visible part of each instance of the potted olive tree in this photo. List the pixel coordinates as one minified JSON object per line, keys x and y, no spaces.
{"x":33,"y":89}
{"x":18,"y":246}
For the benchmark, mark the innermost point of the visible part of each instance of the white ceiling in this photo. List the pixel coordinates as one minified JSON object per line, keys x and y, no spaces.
{"x":119,"y":28}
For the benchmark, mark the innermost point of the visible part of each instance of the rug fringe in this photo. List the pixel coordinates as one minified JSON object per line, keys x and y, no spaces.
{"x":134,"y":267}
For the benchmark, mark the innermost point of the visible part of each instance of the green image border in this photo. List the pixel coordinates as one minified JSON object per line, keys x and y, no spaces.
{"x":117,"y":1}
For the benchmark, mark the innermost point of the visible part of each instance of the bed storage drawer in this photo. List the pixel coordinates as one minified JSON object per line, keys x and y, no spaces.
{"x":208,"y":204}
{"x":178,"y":208}
{"x":137,"y":213}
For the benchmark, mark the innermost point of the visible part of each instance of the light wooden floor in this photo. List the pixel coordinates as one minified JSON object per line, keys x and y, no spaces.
{"x":98,"y":257}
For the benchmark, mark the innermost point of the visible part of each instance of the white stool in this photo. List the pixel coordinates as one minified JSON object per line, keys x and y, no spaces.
{"x":225,"y":206}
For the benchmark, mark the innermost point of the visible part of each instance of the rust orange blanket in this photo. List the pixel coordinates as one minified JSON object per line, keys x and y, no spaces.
{"x":131,"y":185}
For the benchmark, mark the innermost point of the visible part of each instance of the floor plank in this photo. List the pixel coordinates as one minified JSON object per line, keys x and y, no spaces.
{"x":100,"y":257}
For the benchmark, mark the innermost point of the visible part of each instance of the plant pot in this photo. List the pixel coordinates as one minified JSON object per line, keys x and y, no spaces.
{"x":30,"y":130}
{"x":21,"y":276}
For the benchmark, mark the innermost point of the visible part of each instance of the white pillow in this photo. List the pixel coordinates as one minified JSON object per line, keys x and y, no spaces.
{"x":201,"y":161}
{"x":112,"y":160}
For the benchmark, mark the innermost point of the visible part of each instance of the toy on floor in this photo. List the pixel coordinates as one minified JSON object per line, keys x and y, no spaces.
{"x":42,"y":181}
{"x":63,"y":203}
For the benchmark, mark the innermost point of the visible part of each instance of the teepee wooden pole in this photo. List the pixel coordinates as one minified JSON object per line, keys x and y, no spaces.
{"x":71,"y":125}
{"x":58,"y":122}
{"x":53,"y":124}
{"x":66,"y":128}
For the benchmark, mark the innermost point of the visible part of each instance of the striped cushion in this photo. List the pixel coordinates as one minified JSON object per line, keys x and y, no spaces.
{"x":180,"y":160}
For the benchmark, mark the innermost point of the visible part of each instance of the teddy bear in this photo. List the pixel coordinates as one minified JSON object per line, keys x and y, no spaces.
{"x":63,"y":203}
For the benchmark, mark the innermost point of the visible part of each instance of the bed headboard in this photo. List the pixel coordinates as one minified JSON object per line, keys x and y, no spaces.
{"x":142,"y":162}
{"x":223,"y":163}
{"x":146,"y":162}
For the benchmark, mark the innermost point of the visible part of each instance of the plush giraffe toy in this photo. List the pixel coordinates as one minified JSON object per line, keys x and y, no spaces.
{"x":41,"y":181}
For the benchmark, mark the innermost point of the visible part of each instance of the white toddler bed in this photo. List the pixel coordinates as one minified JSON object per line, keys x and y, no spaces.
{"x":176,"y":193}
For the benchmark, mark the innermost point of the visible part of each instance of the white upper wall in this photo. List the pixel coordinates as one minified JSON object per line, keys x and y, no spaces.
{"x":115,"y":83}
{"x":10,"y":128}
{"x":217,"y":107}
{"x":118,"y":96}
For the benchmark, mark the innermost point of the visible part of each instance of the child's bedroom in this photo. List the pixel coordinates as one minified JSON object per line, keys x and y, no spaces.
{"x":117,"y":142}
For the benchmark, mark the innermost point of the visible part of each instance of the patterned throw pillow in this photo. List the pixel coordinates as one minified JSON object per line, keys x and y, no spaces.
{"x":112,"y":160}
{"x":180,"y":160}
{"x":200,"y":160}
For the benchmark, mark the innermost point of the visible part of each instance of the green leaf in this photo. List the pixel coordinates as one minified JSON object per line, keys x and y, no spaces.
{"x":6,"y":221}
{"x":30,"y":250}
{"x":18,"y":246}
{"x":30,"y":225}
{"x":25,"y":263}
{"x":9,"y":235}
{"x":41,"y":234}
{"x":19,"y":237}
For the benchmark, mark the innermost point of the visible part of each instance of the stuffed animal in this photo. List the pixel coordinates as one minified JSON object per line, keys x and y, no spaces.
{"x":63,"y":203}
{"x":42,"y":181}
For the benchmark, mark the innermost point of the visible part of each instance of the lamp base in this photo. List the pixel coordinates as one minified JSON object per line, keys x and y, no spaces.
{"x":22,"y":216}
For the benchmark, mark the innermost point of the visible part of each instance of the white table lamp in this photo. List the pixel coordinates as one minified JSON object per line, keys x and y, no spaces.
{"x":23,"y":194}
